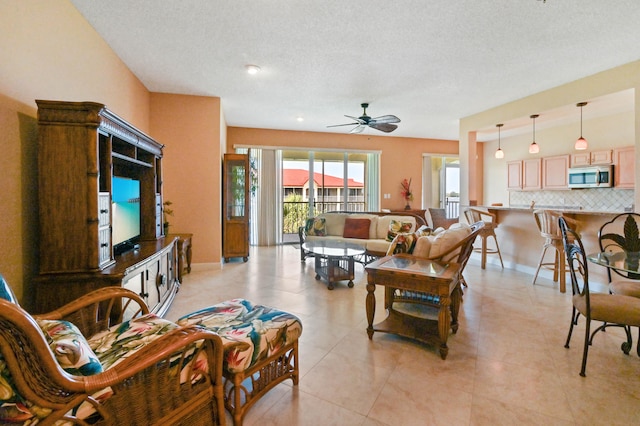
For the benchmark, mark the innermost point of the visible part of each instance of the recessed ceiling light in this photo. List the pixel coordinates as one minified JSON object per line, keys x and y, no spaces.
{"x":300,"y":119}
{"x":252,"y":69}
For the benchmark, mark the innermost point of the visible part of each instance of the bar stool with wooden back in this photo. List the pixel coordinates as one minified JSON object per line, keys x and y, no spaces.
{"x":547,"y":222}
{"x":473,"y":215}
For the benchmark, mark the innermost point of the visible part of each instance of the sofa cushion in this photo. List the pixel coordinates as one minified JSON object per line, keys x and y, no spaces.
{"x":422,"y":247}
{"x":71,"y":349}
{"x":397,"y":227}
{"x":444,"y":241}
{"x":356,"y":228}
{"x":384,"y":222}
{"x":334,"y":223}
{"x":316,"y":226}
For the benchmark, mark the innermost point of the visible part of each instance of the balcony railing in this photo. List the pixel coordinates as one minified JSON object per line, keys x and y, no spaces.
{"x":295,"y":213}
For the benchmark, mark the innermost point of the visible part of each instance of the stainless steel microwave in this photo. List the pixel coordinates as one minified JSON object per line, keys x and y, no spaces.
{"x":591,"y":177}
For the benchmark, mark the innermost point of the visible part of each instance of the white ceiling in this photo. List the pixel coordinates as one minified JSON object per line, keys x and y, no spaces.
{"x":427,"y":62}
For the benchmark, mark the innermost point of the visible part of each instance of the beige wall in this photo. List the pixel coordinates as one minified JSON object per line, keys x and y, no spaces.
{"x":190,"y":127}
{"x":401,"y":157}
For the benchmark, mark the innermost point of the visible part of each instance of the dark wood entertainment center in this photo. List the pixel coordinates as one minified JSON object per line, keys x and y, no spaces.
{"x":81,"y":147}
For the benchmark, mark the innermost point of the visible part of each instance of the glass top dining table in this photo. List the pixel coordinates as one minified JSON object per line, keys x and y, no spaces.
{"x":618,"y":260}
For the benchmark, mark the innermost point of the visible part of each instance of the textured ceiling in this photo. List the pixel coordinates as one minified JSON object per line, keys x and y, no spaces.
{"x":428,"y":62}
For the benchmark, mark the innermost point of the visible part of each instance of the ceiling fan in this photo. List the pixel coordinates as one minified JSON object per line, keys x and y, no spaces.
{"x":382,"y":123}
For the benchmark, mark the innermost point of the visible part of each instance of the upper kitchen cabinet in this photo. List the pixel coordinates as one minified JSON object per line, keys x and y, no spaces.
{"x":554,"y":172}
{"x":594,"y":158}
{"x":524,"y":174}
{"x":624,"y":170}
{"x":514,"y":175}
{"x":531,"y":174}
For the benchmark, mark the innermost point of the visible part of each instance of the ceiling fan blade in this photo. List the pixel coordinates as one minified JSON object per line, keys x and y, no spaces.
{"x":348,"y":124}
{"x":358,"y":129}
{"x":358,"y":119}
{"x":384,"y":127}
{"x":386,"y":119}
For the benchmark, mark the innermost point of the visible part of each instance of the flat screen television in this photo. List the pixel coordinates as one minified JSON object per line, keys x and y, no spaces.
{"x":125,"y":205}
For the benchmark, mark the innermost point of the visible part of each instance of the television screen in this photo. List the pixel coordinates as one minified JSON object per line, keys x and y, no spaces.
{"x":125,"y":211}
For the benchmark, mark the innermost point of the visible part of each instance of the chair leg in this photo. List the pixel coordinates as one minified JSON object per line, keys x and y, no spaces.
{"x":498,"y":250}
{"x":544,"y":251}
{"x":585,"y":351}
{"x":484,"y":252}
{"x":574,"y":320}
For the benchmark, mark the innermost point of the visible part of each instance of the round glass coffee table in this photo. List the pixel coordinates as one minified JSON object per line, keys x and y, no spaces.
{"x":334,"y":260}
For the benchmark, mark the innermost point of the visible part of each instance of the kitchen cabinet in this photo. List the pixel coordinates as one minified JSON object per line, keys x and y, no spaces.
{"x":555,"y":172}
{"x":624,"y":170}
{"x":531,"y":174}
{"x":514,"y":175}
{"x":593,"y":158}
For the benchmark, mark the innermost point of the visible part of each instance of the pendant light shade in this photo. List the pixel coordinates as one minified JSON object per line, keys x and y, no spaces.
{"x":499,"y":152}
{"x":581,"y":143}
{"x":534,"y":148}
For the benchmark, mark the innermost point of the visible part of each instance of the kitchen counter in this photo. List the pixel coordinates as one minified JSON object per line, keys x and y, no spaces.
{"x":521,"y":243}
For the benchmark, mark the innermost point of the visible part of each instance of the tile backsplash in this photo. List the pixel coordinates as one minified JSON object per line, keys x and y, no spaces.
{"x":592,"y":199}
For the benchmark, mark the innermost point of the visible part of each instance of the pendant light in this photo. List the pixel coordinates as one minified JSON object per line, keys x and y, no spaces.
{"x":499,"y":152}
{"x":581,"y":143}
{"x":534,"y":148}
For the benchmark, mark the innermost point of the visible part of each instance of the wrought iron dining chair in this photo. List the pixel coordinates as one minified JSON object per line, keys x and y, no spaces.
{"x":621,"y":234}
{"x":609,"y":308}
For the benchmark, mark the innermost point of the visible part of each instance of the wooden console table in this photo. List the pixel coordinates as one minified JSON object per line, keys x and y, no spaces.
{"x":406,"y":272}
{"x":184,"y":253}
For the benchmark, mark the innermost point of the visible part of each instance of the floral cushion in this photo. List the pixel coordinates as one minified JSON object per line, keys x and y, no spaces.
{"x":402,"y":243}
{"x":250,"y":333}
{"x":70,"y":348}
{"x":396,"y":227}
{"x":316,"y":226}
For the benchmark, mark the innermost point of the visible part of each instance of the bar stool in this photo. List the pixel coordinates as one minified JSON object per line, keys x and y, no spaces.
{"x":547,"y":222}
{"x":490,"y":220}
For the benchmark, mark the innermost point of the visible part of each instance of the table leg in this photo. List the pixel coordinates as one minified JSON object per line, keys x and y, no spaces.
{"x":444,"y":323}
{"x":371,"y":304}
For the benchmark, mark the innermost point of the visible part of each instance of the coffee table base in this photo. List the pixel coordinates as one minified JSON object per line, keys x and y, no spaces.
{"x":335,"y":269}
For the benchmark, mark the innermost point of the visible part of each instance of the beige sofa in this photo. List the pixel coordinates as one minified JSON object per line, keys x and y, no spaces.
{"x":373,"y":230}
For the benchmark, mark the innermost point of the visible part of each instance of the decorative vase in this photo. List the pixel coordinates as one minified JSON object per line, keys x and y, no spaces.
{"x":407,"y":207}
{"x":166,"y":228}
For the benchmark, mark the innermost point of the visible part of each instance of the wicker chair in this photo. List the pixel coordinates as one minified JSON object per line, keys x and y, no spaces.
{"x":459,"y":253}
{"x":173,"y":378}
{"x":608,"y":308}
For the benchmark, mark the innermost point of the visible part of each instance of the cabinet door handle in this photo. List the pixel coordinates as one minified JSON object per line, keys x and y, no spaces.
{"x":104,"y":245}
{"x":104,"y":211}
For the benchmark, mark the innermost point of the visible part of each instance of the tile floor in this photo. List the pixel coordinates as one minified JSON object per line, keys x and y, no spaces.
{"x":506,"y":365}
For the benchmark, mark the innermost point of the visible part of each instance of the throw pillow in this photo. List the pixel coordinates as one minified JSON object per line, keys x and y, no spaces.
{"x":356,"y":228}
{"x":446,"y":240}
{"x":402,"y":243}
{"x":397,"y":227}
{"x":71,"y":349}
{"x":316,"y":226}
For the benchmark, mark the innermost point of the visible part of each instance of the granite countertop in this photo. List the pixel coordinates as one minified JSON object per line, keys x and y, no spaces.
{"x":565,"y":209}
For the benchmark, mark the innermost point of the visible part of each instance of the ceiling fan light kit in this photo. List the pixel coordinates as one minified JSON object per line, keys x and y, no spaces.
{"x":534,"y":148}
{"x":499,"y":152}
{"x":384,"y":123}
{"x":581,"y":143}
